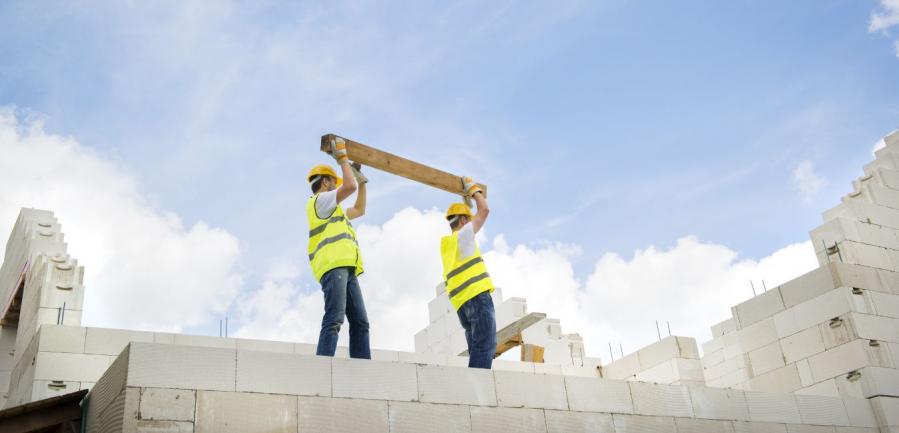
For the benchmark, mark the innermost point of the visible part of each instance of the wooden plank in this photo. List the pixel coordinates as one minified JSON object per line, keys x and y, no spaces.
{"x":531,"y":353}
{"x":510,"y":336}
{"x":399,"y":166}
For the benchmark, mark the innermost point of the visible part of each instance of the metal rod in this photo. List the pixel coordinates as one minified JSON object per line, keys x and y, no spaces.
{"x":63,"y":321}
{"x":658,"y":332}
{"x":226,"y":326}
{"x":610,"y":351}
{"x":220,"y":327}
{"x":753,"y":287}
{"x":669,"y":327}
{"x":764,"y":286}
{"x":621,"y":347}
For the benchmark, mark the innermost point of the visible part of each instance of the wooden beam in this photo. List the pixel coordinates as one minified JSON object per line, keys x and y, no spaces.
{"x":531,"y":353}
{"x":398,"y":165}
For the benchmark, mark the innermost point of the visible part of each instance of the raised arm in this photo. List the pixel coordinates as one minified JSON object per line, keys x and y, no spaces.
{"x":480,"y":201}
{"x":358,"y":208}
{"x":338,"y":151}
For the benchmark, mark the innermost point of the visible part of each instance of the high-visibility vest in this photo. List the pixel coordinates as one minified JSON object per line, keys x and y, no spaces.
{"x":465,"y":277}
{"x":332,"y":241}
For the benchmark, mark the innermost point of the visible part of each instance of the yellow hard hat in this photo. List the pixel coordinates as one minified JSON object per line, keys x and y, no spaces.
{"x":322,"y":170}
{"x":458,"y":209}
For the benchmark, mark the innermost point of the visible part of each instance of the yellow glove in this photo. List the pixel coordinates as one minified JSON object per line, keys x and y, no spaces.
{"x":470,"y":187}
{"x":338,"y":149}
{"x":357,"y":173}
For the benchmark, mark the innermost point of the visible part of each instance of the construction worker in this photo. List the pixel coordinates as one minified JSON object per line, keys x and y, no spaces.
{"x":468,"y":284}
{"x":334,"y":252}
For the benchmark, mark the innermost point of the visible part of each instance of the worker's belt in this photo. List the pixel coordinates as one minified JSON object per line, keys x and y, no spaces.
{"x":468,"y":282}
{"x":324,"y":225}
{"x":331,"y":240}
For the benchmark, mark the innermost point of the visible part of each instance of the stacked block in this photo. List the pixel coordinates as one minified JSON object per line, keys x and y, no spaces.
{"x":672,"y":361}
{"x":136,"y":394}
{"x":443,"y":339}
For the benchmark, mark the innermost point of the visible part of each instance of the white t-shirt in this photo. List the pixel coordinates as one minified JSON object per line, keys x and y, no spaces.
{"x":325,"y":204}
{"x":466,"y":241}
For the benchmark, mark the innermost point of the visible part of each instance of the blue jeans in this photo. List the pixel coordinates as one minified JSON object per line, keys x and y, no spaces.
{"x":343,"y":298}
{"x":479,"y":320}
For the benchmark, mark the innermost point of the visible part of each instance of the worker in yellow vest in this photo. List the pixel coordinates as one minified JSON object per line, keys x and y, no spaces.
{"x":468,"y":284}
{"x":334,"y":252}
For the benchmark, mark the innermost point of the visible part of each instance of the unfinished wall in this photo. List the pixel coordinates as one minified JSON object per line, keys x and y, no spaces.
{"x":155,"y":387}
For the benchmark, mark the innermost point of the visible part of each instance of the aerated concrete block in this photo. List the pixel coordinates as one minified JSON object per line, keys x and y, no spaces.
{"x":856,"y":430}
{"x":712,"y":345}
{"x":767,"y":358}
{"x":454,"y":385}
{"x":643,"y":424}
{"x":187,"y":367}
{"x":151,"y":426}
{"x":320,"y":414}
{"x":758,"y":334}
{"x":782,"y":380}
{"x":827,"y":388}
{"x":205,"y":341}
{"x":43,"y":389}
{"x":759,"y":427}
{"x":598,"y":395}
{"x":421,"y":341}
{"x":776,"y":408}
{"x":167,"y":404}
{"x":690,"y":425}
{"x":809,"y":285}
{"x":69,"y":339}
{"x":885,"y":304}
{"x":661,"y":400}
{"x":872,"y":381}
{"x":578,"y":422}
{"x":848,"y":357}
{"x":241,"y":412}
{"x":103,"y":341}
{"x":668,"y":348}
{"x":75,"y":367}
{"x":428,"y":418}
{"x":439,"y":306}
{"x":266,"y":345}
{"x":723,"y":327}
{"x":539,"y":391}
{"x":622,"y":368}
{"x":820,"y":410}
{"x":842,"y":229}
{"x":758,"y":308}
{"x":802,"y":344}
{"x":724,"y":404}
{"x":503,"y":419}
{"x":860,"y":412}
{"x":886,"y":410}
{"x":283,"y":373}
{"x":799,"y":428}
{"x":356,"y":378}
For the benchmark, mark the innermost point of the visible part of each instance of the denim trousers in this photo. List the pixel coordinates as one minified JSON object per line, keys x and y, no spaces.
{"x":343,"y":298}
{"x":479,"y":320}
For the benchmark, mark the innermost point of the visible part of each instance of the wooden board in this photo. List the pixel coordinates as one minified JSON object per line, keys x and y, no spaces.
{"x":510,"y":336}
{"x":398,"y":165}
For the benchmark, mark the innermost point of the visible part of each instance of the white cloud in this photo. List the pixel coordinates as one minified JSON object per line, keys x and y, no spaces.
{"x":806,"y":181}
{"x":692,"y":285}
{"x":144,"y":268}
{"x":886,"y":18}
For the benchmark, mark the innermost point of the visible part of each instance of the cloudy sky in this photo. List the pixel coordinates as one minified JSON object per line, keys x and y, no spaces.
{"x":646,"y":160}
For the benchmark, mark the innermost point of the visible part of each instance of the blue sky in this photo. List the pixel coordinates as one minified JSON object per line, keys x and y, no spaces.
{"x":609,"y":125}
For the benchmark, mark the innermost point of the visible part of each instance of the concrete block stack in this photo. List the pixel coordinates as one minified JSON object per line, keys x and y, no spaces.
{"x":671,"y":361}
{"x":153,"y":387}
{"x":443,"y":339}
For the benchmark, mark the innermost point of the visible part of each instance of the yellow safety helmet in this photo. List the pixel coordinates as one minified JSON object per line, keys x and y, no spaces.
{"x":456,"y":209}
{"x":322,"y":170}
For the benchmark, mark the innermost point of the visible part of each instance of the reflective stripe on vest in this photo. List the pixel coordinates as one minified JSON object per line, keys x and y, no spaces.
{"x":332,"y":242}
{"x":465,"y":278}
